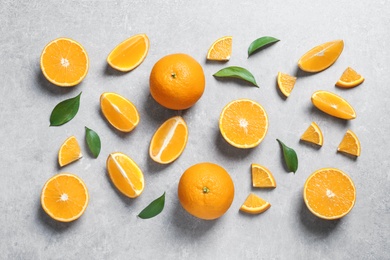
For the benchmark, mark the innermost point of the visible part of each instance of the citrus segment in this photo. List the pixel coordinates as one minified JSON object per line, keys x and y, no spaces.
{"x":321,"y":57}
{"x":254,"y":204}
{"x":221,"y":49}
{"x":130,"y":53}
{"x":64,"y":62}
{"x":243,"y":123}
{"x":349,"y":79}
{"x":64,"y":197}
{"x":329,"y":193}
{"x":119,"y":111}
{"x":262,"y":177}
{"x":125,"y":174}
{"x":350,"y":144}
{"x":69,"y":151}
{"x":169,"y":141}
{"x":313,"y":134}
{"x":333,"y":105}
{"x":286,"y":83}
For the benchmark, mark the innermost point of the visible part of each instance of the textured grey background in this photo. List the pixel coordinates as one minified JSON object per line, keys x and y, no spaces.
{"x":109,"y":229}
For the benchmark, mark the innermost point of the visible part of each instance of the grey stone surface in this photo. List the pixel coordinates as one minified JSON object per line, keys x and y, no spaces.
{"x":109,"y":229}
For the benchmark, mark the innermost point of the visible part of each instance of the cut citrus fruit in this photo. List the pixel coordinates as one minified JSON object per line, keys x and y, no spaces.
{"x":119,"y":111}
{"x":64,"y":197}
{"x":262,"y":177}
{"x":333,"y":105}
{"x":350,"y":144}
{"x":286,"y":83}
{"x":254,"y":204}
{"x":243,"y":123}
{"x":130,"y":53}
{"x":169,"y":141}
{"x":329,"y":193}
{"x":313,"y":134}
{"x":69,"y":151}
{"x":349,"y":79}
{"x":221,"y":49}
{"x":125,"y":174}
{"x":64,"y":62}
{"x":321,"y":57}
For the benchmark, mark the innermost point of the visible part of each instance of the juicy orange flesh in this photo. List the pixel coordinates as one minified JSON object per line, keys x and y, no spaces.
{"x":333,"y":105}
{"x":221,"y":49}
{"x":350,"y":144}
{"x":286,"y":83}
{"x":312,"y":135}
{"x":70,"y":151}
{"x":64,"y":197}
{"x":261,"y":177}
{"x":254,"y":204}
{"x":350,"y":75}
{"x":129,"y":53}
{"x":329,"y":193}
{"x":64,"y":61}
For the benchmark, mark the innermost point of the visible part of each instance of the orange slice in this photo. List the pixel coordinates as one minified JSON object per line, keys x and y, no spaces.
{"x":313,"y":134}
{"x":262,"y":177}
{"x":125,"y":174}
{"x":321,"y":57}
{"x":221,"y":49}
{"x":254,"y":204}
{"x":350,"y":144}
{"x":243,"y":123}
{"x":349,"y":79}
{"x":333,"y":105}
{"x":119,"y":111}
{"x":64,"y":197}
{"x":169,"y":141}
{"x":69,"y":151}
{"x":286,"y":83}
{"x":64,"y":62}
{"x":329,"y":193}
{"x":130,"y":53}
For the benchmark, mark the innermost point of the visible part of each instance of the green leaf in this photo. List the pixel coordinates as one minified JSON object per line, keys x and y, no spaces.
{"x":65,"y":111}
{"x":260,"y":43}
{"x":154,"y":208}
{"x":236,"y":72}
{"x":93,"y":141}
{"x":290,"y":157}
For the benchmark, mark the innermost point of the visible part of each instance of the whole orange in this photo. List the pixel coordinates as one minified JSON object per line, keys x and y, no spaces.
{"x":177,"y":81}
{"x":206,"y":190}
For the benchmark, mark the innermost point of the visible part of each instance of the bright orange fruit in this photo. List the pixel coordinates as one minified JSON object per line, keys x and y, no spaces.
{"x":333,"y":105}
{"x":69,"y":151}
{"x":286,"y":83}
{"x":349,"y":79}
{"x":313,"y":134}
{"x":350,"y":144}
{"x":254,"y":204}
{"x":262,"y":177}
{"x":64,"y":62}
{"x":221,"y":49}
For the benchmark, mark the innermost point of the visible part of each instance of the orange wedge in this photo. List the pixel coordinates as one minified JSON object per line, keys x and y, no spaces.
{"x":262,"y":177}
{"x":254,"y":204}
{"x":125,"y":174}
{"x":313,"y":134}
{"x":69,"y":151}
{"x":350,"y":144}
{"x":64,"y":62}
{"x":286,"y":83}
{"x":169,"y":141}
{"x":329,"y":193}
{"x":333,"y":105}
{"x":119,"y":111}
{"x":221,"y":49}
{"x":243,"y":123}
{"x":64,"y":197}
{"x":321,"y":57}
{"x":349,"y":79}
{"x":130,"y":53}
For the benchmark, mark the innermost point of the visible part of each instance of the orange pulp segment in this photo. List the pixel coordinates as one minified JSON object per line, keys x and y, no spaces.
{"x":350,"y":144}
{"x":130,"y":53}
{"x":262,"y":177}
{"x":169,"y":141}
{"x":119,"y":111}
{"x":349,"y":79}
{"x":243,"y":123}
{"x":329,"y":193}
{"x":333,"y":105}
{"x":64,"y":62}
{"x":313,"y":134}
{"x":221,"y":49}
{"x":125,"y":174}
{"x":321,"y":57}
{"x":69,"y":151}
{"x":286,"y":83}
{"x":64,"y":197}
{"x":254,"y":204}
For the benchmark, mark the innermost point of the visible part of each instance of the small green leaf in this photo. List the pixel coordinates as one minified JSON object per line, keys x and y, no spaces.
{"x":290,"y":157}
{"x":154,"y":208}
{"x":93,"y":141}
{"x":260,"y":43}
{"x":65,"y":111}
{"x":236,"y":72}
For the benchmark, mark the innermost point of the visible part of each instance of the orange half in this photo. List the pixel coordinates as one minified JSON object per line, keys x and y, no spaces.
{"x":262,"y":177}
{"x":350,"y":144}
{"x":313,"y":134}
{"x":221,"y":49}
{"x":333,"y":105}
{"x":349,"y":79}
{"x":254,"y":204}
{"x":69,"y":151}
{"x":286,"y":83}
